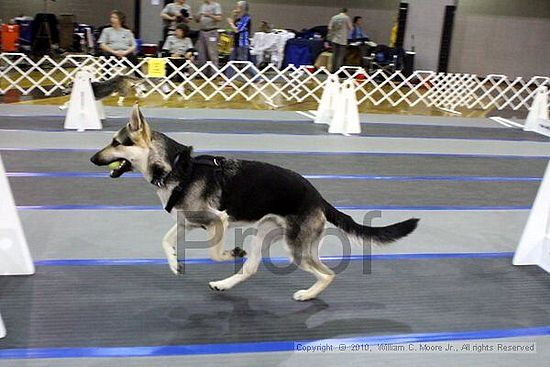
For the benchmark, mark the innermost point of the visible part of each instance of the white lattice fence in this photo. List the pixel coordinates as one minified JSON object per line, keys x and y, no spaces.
{"x":292,"y":84}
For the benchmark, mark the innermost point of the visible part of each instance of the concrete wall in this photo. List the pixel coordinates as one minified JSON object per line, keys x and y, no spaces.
{"x":423,"y":31}
{"x":150,"y":21}
{"x":502,"y":37}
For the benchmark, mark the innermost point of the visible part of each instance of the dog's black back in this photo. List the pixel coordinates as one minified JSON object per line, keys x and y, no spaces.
{"x":246,"y":190}
{"x":257,"y":189}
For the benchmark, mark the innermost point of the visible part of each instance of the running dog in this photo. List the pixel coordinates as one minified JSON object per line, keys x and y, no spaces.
{"x":213,"y":192}
{"x":120,"y":84}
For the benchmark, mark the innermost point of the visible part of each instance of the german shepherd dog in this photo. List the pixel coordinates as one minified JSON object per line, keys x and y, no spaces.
{"x":225,"y":191}
{"x":120,"y":84}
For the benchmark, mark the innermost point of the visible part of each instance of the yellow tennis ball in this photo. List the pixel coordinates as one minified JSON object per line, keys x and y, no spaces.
{"x":114,"y":165}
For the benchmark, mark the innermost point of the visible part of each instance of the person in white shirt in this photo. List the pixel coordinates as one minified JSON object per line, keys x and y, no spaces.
{"x":338,"y":31}
{"x":209,"y":16}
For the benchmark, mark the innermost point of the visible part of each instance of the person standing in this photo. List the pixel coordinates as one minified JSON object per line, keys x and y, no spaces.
{"x":241,"y":24}
{"x":209,"y":16}
{"x":174,"y":13}
{"x":338,"y":31}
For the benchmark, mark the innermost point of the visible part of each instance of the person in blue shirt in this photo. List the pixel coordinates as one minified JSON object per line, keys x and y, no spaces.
{"x":241,"y":25}
{"x":357,"y":31}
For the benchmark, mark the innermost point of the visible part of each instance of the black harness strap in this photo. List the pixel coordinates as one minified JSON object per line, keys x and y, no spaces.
{"x":214,"y":163}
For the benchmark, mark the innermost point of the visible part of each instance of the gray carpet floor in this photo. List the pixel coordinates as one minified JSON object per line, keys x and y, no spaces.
{"x":285,"y":127}
{"x":147,"y":305}
{"x":335,"y":164}
{"x":135,"y":191}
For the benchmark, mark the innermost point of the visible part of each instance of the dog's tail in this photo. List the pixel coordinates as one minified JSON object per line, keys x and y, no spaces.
{"x":386,"y":234}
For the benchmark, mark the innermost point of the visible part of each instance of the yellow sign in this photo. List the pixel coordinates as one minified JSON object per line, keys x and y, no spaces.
{"x":156,"y":68}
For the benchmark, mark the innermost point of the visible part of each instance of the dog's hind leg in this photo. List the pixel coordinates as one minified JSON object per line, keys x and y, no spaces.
{"x":268,"y":231}
{"x":303,"y":238}
{"x":170,"y":249}
{"x":216,"y":234}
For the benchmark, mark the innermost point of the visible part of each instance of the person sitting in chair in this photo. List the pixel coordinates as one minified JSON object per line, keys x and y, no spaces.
{"x":357,"y":32}
{"x":117,"y":40}
{"x":180,"y":48}
{"x":178,"y":44}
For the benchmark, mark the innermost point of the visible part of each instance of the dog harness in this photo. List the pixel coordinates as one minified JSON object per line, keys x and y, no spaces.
{"x":212,"y":162}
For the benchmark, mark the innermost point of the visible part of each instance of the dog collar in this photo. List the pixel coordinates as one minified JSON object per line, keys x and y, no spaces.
{"x":212,"y":162}
{"x":160,"y":182}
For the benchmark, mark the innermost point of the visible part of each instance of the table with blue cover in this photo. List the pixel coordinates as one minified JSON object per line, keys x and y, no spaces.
{"x":301,"y":51}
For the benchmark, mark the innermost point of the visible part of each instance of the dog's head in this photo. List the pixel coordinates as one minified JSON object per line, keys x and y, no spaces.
{"x":130,"y":146}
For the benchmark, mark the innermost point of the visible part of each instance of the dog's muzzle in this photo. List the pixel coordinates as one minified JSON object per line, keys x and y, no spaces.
{"x":123,"y":167}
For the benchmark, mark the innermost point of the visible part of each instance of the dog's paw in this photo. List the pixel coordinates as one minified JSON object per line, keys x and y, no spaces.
{"x":303,"y":295}
{"x":227,"y":255}
{"x":238,"y":252}
{"x":217,"y":286}
{"x":176,"y":268}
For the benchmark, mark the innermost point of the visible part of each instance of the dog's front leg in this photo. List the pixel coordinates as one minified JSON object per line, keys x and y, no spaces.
{"x":170,"y":249}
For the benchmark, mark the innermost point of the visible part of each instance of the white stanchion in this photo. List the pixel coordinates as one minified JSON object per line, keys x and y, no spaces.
{"x":83,"y":112}
{"x":537,"y":119}
{"x":346,"y":115}
{"x":329,"y":100}
{"x":2,"y":328}
{"x":15,"y":258}
{"x":534,"y":246}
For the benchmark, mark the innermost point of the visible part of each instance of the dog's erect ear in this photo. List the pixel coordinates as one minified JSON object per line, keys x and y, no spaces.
{"x":137,"y":121}
{"x":138,"y":125}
